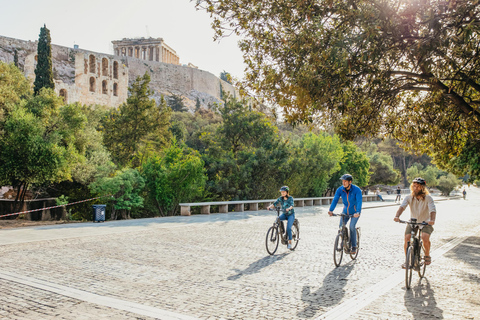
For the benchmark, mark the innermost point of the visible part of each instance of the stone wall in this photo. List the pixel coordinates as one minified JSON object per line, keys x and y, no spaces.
{"x":72,"y":75}
{"x":7,"y":206}
{"x":191,"y":83}
{"x":72,"y":72}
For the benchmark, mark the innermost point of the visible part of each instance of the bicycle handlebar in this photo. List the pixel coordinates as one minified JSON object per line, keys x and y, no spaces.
{"x":339,"y":214}
{"x":414,"y":223}
{"x":276,"y":209}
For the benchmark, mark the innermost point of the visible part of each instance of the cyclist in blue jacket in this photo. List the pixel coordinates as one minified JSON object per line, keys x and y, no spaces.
{"x":286,"y":202}
{"x":352,"y":201}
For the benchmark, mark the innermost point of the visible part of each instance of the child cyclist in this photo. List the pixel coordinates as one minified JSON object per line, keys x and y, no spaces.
{"x":286,"y":203}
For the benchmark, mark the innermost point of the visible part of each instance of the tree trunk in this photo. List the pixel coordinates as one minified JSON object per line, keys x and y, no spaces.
{"x":404,"y":172}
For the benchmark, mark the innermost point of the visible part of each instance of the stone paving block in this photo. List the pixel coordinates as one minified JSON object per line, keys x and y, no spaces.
{"x":216,"y":266}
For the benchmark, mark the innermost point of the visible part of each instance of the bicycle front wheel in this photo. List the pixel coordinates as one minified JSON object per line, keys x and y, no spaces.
{"x":421,"y":262}
{"x":354,"y":256}
{"x":338,"y":250}
{"x":409,"y":264}
{"x":271,"y":242}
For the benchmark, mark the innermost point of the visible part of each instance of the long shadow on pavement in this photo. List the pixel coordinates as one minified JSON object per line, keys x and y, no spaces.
{"x":329,"y":294}
{"x":420,"y":301}
{"x":258,"y":265}
{"x":468,"y":251}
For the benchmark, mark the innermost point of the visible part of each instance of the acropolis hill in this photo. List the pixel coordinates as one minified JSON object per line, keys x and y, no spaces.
{"x":90,"y":77}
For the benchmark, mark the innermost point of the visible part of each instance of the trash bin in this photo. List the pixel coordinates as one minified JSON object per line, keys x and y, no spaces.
{"x":99,"y":212}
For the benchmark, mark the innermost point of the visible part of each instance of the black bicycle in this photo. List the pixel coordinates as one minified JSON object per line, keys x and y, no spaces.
{"x":342,"y":242}
{"x":278,"y":232}
{"x":415,"y":258}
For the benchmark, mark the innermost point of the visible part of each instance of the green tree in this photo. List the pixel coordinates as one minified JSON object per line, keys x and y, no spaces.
{"x":402,"y":159}
{"x":175,"y":102}
{"x":43,"y":70}
{"x":382,"y":171}
{"x":312,"y":164}
{"x":138,"y":127}
{"x":405,"y":69}
{"x":30,"y":153}
{"x":175,"y":176}
{"x":448,"y":183}
{"x":13,"y":88}
{"x":244,"y":157}
{"x":125,"y":188}
{"x":197,"y":104}
{"x":15,"y":58}
{"x":225,"y":76}
{"x":354,"y":162}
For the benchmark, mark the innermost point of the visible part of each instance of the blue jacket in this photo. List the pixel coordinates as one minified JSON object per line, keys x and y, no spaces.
{"x":352,"y":200}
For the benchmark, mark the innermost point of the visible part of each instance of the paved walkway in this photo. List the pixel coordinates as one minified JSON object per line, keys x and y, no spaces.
{"x":216,"y":267}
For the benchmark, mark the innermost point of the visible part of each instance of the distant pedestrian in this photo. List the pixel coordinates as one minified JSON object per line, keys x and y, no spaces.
{"x":464,"y":194}
{"x":377,"y":192}
{"x":399,"y":195}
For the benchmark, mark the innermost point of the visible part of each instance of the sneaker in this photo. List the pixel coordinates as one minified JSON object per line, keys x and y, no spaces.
{"x":289,"y":246}
{"x":353,"y":251}
{"x":404,"y":266}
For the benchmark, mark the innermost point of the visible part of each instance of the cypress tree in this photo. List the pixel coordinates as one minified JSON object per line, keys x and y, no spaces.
{"x":15,"y":58}
{"x":197,"y":105}
{"x":43,"y":71}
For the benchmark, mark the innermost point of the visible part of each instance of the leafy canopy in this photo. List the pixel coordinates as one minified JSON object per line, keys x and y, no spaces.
{"x":408,"y":69}
{"x":138,"y":127}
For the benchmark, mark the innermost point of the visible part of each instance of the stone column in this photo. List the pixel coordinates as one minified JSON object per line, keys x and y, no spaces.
{"x":185,"y":211}
{"x":239,"y":207}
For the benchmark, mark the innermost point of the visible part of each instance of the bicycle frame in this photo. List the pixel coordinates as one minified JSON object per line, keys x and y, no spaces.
{"x":281,"y":227}
{"x":278,"y":232}
{"x":413,"y":259}
{"x":344,"y":238}
{"x":343,"y":232}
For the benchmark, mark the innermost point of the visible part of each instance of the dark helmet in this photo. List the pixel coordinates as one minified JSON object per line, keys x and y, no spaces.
{"x":347,"y":177}
{"x":419,"y":181}
{"x":284,"y":188}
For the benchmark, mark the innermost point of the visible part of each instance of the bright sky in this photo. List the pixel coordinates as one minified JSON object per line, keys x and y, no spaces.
{"x":93,"y":24}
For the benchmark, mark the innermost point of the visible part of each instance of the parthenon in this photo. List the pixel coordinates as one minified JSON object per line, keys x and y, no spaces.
{"x":151,"y":49}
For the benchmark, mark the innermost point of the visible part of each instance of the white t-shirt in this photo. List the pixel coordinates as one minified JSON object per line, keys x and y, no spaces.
{"x":419,"y":209}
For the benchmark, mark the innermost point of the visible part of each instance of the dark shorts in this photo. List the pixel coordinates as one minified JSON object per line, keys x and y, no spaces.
{"x":426,"y":229}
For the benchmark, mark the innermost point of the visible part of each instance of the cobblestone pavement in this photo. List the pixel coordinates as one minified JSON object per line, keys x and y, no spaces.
{"x":216,"y":267}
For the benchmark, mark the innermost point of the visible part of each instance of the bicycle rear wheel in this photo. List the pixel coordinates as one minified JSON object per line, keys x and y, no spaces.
{"x":338,"y":250}
{"x":409,"y":264}
{"x":271,"y":241}
{"x":421,"y":262}
{"x":354,"y":256}
{"x":295,"y":234}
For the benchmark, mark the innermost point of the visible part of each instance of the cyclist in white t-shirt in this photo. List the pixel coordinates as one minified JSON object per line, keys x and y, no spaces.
{"x":422,"y":208}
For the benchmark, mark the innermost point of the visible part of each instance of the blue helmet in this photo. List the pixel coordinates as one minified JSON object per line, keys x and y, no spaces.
{"x":347,"y":177}
{"x":284,"y":188}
